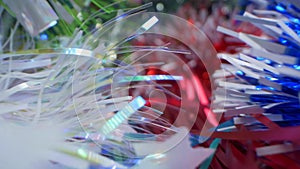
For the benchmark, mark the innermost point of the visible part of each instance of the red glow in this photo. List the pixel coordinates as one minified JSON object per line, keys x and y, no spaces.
{"x":190,"y":91}
{"x":200,"y":91}
{"x":211,"y":117}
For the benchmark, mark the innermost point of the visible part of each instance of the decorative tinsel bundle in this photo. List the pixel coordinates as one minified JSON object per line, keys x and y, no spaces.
{"x":260,"y":94}
{"x":85,"y":102}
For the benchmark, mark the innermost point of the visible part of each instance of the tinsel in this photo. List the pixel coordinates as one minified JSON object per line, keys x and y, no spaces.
{"x":260,"y":94}
{"x":83,"y":102}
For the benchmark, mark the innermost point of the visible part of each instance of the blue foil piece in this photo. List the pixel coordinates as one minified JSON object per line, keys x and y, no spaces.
{"x":120,"y":153}
{"x":270,"y":98}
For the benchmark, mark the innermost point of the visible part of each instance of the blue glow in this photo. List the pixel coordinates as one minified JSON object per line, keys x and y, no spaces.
{"x":270,"y":88}
{"x":259,"y":58}
{"x":280,"y":8}
{"x":297,"y":67}
{"x":239,"y":73}
{"x":268,"y":61}
{"x":296,"y":87}
{"x":296,"y":20}
{"x":43,"y":37}
{"x":259,"y":87}
{"x":272,"y":78}
{"x":283,"y":41}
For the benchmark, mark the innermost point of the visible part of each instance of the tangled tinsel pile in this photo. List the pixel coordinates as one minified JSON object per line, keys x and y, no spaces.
{"x":108,"y":85}
{"x":89,"y":100}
